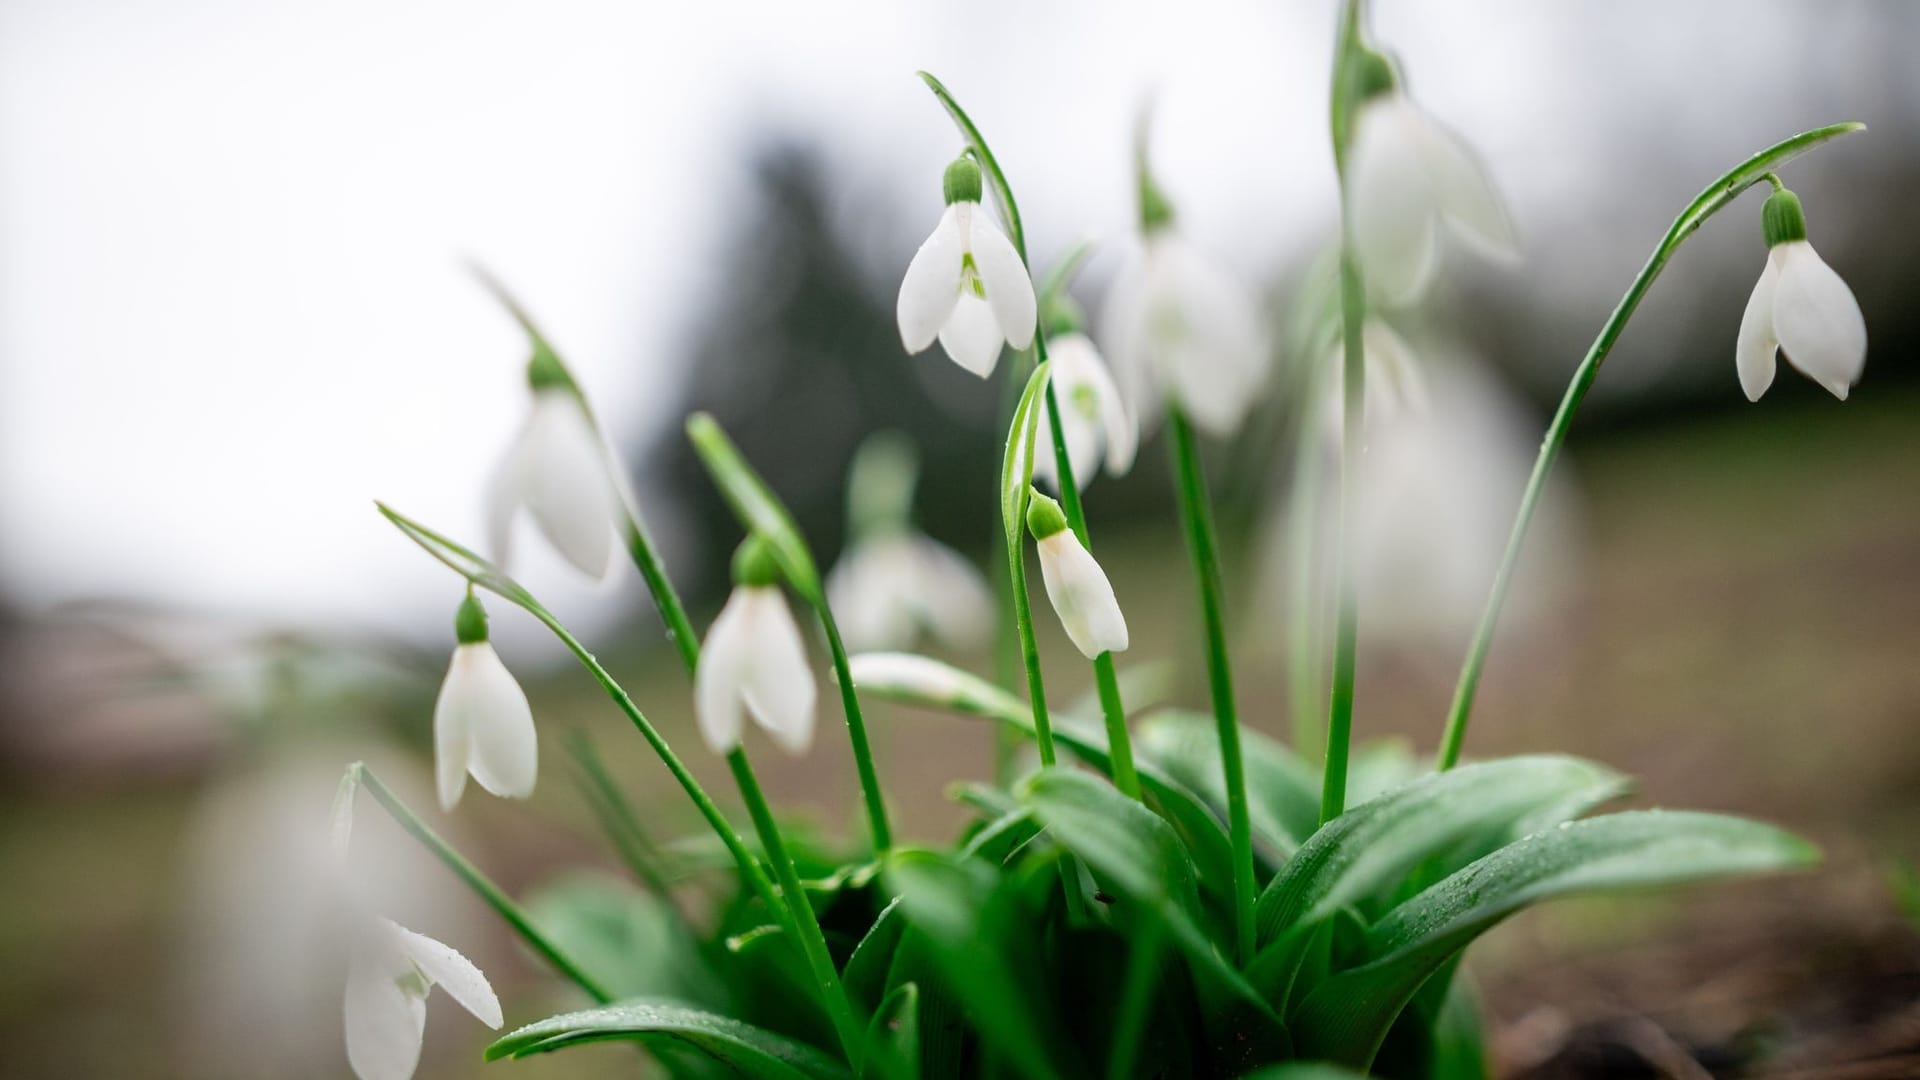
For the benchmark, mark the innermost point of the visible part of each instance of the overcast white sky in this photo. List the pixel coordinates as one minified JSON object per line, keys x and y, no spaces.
{"x":232,"y":310}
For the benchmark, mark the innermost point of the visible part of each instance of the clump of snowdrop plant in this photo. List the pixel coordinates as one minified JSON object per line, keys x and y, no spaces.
{"x":1159,"y":891}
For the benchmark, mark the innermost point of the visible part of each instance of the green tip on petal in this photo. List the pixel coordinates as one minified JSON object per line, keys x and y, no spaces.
{"x":1155,"y":210}
{"x":1373,"y":75}
{"x":546,"y":372}
{"x":962,"y":182}
{"x":754,"y":564}
{"x":470,"y":622}
{"x":1781,"y":219}
{"x":1044,"y":516}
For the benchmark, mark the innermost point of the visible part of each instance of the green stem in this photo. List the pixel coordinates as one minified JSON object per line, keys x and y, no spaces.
{"x":496,"y":899}
{"x":1305,"y":652}
{"x":813,"y":942}
{"x":1030,"y":653}
{"x":1198,"y":522}
{"x":1717,"y":195}
{"x":665,"y":599}
{"x":877,"y":823}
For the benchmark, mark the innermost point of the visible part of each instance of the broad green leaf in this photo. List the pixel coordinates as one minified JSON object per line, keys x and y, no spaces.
{"x":1303,"y":1070}
{"x":1369,"y":848}
{"x":1346,"y":1017}
{"x":1283,"y":791}
{"x":632,"y":942}
{"x":750,"y":1051}
{"x":1136,"y":854}
{"x":893,"y":1038}
{"x":1016,"y":466}
{"x":758,"y":509}
{"x":866,"y":971}
{"x":973,"y":930}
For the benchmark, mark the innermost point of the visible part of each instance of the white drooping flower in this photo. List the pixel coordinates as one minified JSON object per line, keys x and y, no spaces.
{"x":1100,"y":430}
{"x":1395,"y":386}
{"x":1177,"y":327}
{"x":966,"y":285}
{"x":1406,"y":176}
{"x":560,"y":471}
{"x":1799,"y":306}
{"x":482,"y":723}
{"x":754,"y":662}
{"x":1076,"y":586}
{"x":390,"y":971}
{"x":890,"y":588}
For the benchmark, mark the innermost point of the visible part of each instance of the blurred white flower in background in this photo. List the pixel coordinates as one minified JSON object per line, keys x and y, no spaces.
{"x":557,"y":470}
{"x":1100,"y":430}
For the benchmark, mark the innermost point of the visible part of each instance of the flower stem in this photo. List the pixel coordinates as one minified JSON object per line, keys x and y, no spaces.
{"x":1198,"y":521}
{"x":806,"y":925}
{"x":877,"y":824}
{"x":1030,"y":654}
{"x":1305,"y":649}
{"x":1756,"y":169}
{"x":665,"y":599}
{"x":496,"y":899}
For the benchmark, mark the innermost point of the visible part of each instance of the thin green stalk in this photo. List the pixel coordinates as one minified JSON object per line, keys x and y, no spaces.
{"x":1030,"y":654}
{"x":813,"y":942}
{"x":877,"y":824}
{"x":1716,"y":196}
{"x":1197,"y":519}
{"x":665,"y":599}
{"x":496,"y":899}
{"x":1305,"y":653}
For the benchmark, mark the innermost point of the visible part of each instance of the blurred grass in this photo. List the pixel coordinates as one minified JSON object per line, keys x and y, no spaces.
{"x":1742,"y":637}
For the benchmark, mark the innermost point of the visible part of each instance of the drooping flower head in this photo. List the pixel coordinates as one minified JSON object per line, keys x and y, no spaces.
{"x":1100,"y":430}
{"x":558,"y":469}
{"x":390,"y":972}
{"x":1076,"y":586}
{"x":482,"y":723}
{"x":754,"y":662}
{"x":966,"y":285}
{"x":1406,"y":176}
{"x":1179,"y":328}
{"x":1799,"y":306}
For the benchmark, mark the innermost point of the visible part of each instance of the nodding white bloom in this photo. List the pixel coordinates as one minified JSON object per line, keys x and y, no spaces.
{"x":754,"y":662}
{"x":889,"y":589}
{"x":390,"y":971}
{"x":1099,"y":428}
{"x":966,"y":285}
{"x":559,"y":470}
{"x":1176,"y":326}
{"x":482,"y":724}
{"x":1395,"y":386}
{"x":1406,"y":174}
{"x":1801,"y":306}
{"x":1077,"y":587}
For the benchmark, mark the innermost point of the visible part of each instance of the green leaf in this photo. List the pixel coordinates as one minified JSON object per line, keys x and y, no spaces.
{"x":866,"y":972}
{"x":997,"y":180}
{"x":1283,"y":791}
{"x":1752,"y":171}
{"x":1303,"y":1070}
{"x":1131,"y":850}
{"x":1370,"y":847}
{"x":893,"y":1039}
{"x":631,"y":942}
{"x":1016,"y":466}
{"x":974,"y":929}
{"x":1347,"y":1016}
{"x":759,"y":511}
{"x":750,"y":1051}
{"x":462,"y":560}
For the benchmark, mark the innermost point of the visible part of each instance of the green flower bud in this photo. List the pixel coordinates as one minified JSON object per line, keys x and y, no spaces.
{"x":1781,"y":219}
{"x":470,"y":621}
{"x":1044,"y":516}
{"x":1372,"y":75}
{"x":1155,"y":211}
{"x":754,"y":564}
{"x":962,"y":182}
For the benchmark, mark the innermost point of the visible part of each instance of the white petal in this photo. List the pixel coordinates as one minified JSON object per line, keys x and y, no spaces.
{"x":1081,"y":595}
{"x":931,"y":285}
{"x":717,"y":704}
{"x":483,"y":724}
{"x":1818,"y":320}
{"x":863,"y":589}
{"x":1093,"y":415}
{"x":1464,"y":194}
{"x":779,"y":687}
{"x":949,"y":596}
{"x":566,"y":486}
{"x":505,"y":496}
{"x":451,"y":712}
{"x":454,"y":973}
{"x":1753,"y":352}
{"x":1393,"y":201}
{"x":1004,"y":276}
{"x":384,"y":1023}
{"x":972,"y":335}
{"x":1123,"y":333}
{"x":1209,"y":347}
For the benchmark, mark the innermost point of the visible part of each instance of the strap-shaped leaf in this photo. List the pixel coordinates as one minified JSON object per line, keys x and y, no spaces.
{"x":865,"y":975}
{"x":1370,"y":847}
{"x":748,"y":1050}
{"x":755,"y":505}
{"x":1016,"y":465}
{"x":893,"y":1038}
{"x":1345,"y":1018}
{"x":1283,"y":791}
{"x":1135,"y":853}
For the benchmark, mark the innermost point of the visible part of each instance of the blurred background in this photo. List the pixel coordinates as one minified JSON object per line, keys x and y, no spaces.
{"x":235,"y":307}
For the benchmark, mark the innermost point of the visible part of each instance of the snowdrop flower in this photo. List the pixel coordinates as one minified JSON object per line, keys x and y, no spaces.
{"x":1801,"y":306}
{"x":558,"y":469}
{"x":1077,"y":587}
{"x":1395,"y":387}
{"x":966,"y":285}
{"x":1099,"y":428}
{"x":754,"y":662}
{"x":1176,"y":326}
{"x":1406,"y":174}
{"x":889,"y":589}
{"x":390,"y":971}
{"x":482,"y":723}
